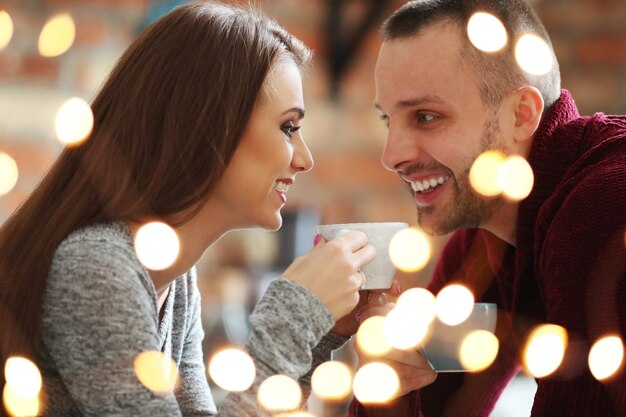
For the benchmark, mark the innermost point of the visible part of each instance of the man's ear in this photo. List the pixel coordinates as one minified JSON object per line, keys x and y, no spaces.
{"x":528,"y":108}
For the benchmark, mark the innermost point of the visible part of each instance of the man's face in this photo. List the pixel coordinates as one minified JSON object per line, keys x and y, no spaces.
{"x":437,"y":126}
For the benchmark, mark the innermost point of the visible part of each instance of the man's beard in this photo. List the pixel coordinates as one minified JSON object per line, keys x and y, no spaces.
{"x":468,"y":210}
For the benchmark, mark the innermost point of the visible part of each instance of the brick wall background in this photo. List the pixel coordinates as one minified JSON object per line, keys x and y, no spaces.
{"x":345,"y":135}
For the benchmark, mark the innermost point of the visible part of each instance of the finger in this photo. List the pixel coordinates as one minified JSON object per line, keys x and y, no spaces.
{"x":364,"y":254}
{"x":376,"y":299}
{"x":394,"y":290}
{"x":412,"y":357}
{"x":319,"y":239}
{"x":359,"y":278}
{"x":377,"y":311}
{"x":354,"y":239}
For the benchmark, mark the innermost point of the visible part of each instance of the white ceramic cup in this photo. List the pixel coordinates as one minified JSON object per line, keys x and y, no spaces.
{"x":442,"y":348}
{"x":379,"y":273}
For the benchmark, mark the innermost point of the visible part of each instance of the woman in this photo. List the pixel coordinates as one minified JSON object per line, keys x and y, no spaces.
{"x":197,"y":126}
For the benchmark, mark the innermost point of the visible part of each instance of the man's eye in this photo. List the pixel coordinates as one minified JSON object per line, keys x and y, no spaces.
{"x":426,"y":117}
{"x":385,"y":119}
{"x":289,"y":128}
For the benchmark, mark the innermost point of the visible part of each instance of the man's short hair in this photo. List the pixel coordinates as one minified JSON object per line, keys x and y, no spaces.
{"x":498,"y":73}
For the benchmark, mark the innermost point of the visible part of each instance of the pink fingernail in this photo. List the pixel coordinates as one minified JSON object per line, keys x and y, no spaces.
{"x":317,"y":239}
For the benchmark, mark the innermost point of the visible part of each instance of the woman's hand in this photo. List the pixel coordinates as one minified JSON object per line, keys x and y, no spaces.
{"x":413,"y":370}
{"x":349,"y":324}
{"x":332,"y":271}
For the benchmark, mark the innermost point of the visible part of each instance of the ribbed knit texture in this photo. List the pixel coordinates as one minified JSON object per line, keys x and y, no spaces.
{"x":100,"y":312}
{"x":568,"y":268}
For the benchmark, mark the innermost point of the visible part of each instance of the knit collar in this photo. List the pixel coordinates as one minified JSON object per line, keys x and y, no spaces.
{"x":554,"y":149}
{"x":552,"y":153}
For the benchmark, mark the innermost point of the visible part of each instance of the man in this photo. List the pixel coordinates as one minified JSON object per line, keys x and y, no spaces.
{"x":557,"y":257}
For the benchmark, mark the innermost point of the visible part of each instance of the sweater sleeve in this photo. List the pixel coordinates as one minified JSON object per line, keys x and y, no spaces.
{"x":582,"y":266}
{"x":286,"y":326}
{"x":192,"y":391}
{"x":97,"y":317}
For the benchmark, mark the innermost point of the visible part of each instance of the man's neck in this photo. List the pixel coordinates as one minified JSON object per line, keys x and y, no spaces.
{"x":503,"y":223}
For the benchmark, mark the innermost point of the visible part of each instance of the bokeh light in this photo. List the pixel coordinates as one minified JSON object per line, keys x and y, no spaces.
{"x":606,"y":357}
{"x":6,"y":29}
{"x":370,"y":338}
{"x":478,"y":350}
{"x":375,"y":383}
{"x":57,"y":35}
{"x":74,"y":121}
{"x":421,"y":301}
{"x":157,"y":245}
{"x":486,"y":32}
{"x":483,"y":175}
{"x":545,"y":349}
{"x":232,"y":369}
{"x":332,"y":381}
{"x":8,"y":173}
{"x":279,"y":393}
{"x":516,"y":178}
{"x":22,"y":377}
{"x":409,"y":249}
{"x":156,"y":371}
{"x":403,"y":328}
{"x":454,"y":304}
{"x":18,"y":406}
{"x":533,"y":55}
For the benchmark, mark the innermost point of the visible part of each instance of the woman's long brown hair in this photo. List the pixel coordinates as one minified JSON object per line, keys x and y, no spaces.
{"x":166,"y":124}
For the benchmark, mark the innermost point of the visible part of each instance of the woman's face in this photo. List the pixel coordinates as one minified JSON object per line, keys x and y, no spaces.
{"x":270,"y":155}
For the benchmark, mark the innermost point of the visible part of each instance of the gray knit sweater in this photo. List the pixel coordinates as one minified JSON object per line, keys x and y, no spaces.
{"x":100,"y":311}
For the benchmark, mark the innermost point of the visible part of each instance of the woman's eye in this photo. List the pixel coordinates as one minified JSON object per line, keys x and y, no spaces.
{"x":289,"y":128}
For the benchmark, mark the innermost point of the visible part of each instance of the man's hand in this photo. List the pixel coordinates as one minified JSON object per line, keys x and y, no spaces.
{"x":413,"y":371}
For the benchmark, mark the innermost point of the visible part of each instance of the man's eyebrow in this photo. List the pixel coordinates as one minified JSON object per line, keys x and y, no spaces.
{"x":404,"y":104}
{"x":298,"y":110}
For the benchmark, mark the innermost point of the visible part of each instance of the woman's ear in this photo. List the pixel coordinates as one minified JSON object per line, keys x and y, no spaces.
{"x":528,"y":108}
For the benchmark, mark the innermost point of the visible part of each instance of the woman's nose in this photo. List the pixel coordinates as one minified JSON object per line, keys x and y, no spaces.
{"x":302,"y":159}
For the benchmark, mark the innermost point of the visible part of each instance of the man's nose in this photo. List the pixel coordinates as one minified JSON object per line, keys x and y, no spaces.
{"x":398,"y":150}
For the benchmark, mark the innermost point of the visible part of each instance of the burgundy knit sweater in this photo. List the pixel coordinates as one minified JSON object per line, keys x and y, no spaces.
{"x":568,"y":268}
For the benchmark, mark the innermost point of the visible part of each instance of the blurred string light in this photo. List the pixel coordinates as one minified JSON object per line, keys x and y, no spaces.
{"x":332,"y":381}
{"x":157,"y":245}
{"x":516,"y":178}
{"x":370,"y":339}
{"x":486,"y":32}
{"x":403,"y":329}
{"x":408,"y":323}
{"x":606,"y":357}
{"x":375,"y":383}
{"x":409,"y":249}
{"x":533,"y":55}
{"x":478,"y":350}
{"x":492,"y":174}
{"x":454,"y":304}
{"x":156,"y":371}
{"x":545,"y":349}
{"x":279,"y":393}
{"x":23,"y":384}
{"x":6,"y":29}
{"x":483,"y":175}
{"x":232,"y":369}
{"x":8,"y":173}
{"x":57,"y":35}
{"x":74,"y":121}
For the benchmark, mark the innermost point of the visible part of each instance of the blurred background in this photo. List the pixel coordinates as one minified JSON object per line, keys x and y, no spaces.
{"x":348,"y":183}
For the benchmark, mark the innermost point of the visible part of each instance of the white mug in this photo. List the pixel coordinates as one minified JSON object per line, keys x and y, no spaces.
{"x":379,"y":273}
